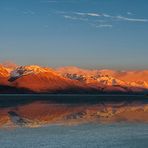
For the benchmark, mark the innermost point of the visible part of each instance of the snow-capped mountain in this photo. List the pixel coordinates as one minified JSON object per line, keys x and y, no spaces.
{"x":43,"y":79}
{"x":81,"y":78}
{"x":124,"y":75}
{"x":108,"y":83}
{"x":73,"y":80}
{"x":100,"y":79}
{"x":138,"y":79}
{"x":26,"y":70}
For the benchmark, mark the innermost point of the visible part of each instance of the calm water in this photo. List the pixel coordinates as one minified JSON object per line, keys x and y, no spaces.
{"x":117,"y":135}
{"x":48,"y":122}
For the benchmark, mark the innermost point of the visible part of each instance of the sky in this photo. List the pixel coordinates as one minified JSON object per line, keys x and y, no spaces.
{"x":91,"y":34}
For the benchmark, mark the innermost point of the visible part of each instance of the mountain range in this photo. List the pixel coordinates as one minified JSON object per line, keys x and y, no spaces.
{"x":38,"y":79}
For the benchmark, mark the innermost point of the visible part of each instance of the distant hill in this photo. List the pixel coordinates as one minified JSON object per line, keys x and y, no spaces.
{"x":37,"y":79}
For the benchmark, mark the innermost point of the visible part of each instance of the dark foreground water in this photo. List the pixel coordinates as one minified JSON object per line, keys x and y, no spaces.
{"x":123,"y":135}
{"x":73,"y":121}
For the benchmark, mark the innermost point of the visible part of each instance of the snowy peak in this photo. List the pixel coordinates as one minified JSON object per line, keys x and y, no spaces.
{"x":108,"y":80}
{"x":32,"y":68}
{"x":44,"y":79}
{"x":81,"y":78}
{"x":26,"y":70}
{"x":100,"y":79}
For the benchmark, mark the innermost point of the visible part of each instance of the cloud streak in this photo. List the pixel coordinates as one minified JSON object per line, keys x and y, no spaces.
{"x":119,"y":17}
{"x":100,"y":20}
{"x":113,"y":17}
{"x":74,"y":18}
{"x":87,"y":14}
{"x":131,"y":19}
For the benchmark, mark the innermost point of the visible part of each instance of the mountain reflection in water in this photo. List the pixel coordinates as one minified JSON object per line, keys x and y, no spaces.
{"x":34,"y":113}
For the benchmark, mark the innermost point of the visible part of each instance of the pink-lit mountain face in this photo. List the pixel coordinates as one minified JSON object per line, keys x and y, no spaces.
{"x":37,"y":79}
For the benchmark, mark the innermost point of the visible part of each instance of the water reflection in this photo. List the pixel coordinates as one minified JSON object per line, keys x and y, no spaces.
{"x":38,"y":113}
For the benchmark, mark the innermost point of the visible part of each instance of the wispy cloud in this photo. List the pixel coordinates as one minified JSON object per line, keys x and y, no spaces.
{"x":100,"y":20}
{"x":101,"y":25}
{"x":74,"y":18}
{"x":106,"y":15}
{"x":119,"y":17}
{"x":131,"y":19}
{"x":87,"y":14}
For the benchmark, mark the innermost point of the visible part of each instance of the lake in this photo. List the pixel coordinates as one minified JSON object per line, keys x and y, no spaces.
{"x":76,"y":121}
{"x":118,"y":135}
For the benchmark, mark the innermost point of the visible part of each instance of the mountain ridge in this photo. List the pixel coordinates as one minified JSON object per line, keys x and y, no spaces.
{"x":73,"y":80}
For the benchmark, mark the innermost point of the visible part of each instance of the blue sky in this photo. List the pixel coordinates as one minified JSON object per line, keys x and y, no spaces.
{"x":86,"y":33}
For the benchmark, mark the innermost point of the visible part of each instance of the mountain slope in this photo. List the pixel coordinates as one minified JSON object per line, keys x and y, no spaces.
{"x":4,"y":74}
{"x":34,"y":78}
{"x":41,"y":79}
{"x":109,"y":80}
